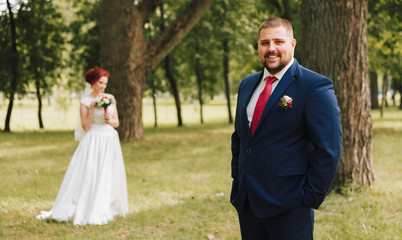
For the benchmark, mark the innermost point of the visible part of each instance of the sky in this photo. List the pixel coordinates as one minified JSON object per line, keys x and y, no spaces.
{"x":3,"y":4}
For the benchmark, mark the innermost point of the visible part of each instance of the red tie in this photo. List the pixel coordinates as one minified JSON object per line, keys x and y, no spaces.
{"x":262,"y":100}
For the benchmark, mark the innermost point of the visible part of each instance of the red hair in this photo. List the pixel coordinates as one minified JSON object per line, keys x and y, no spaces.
{"x":94,"y":74}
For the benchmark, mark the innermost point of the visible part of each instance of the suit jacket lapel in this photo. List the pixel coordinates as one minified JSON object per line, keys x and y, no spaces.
{"x":283,"y":84}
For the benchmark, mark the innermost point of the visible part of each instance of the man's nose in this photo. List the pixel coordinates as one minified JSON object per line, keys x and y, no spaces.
{"x":271,"y":47}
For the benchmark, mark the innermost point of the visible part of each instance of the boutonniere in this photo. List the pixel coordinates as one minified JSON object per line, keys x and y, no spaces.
{"x":285,"y":102}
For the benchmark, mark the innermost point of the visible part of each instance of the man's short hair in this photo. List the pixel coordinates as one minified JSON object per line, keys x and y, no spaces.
{"x":277,"y":22}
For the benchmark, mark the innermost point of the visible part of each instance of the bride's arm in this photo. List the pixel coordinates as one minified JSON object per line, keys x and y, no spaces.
{"x":114,"y":118}
{"x":87,"y":115}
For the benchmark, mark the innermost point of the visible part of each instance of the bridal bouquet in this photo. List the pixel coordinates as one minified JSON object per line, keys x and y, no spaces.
{"x":105,"y":101}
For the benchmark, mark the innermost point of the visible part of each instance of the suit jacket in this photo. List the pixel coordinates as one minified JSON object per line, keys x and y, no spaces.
{"x":292,"y":157}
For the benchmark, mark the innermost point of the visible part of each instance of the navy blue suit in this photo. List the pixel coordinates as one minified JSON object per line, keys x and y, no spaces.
{"x":292,"y":158}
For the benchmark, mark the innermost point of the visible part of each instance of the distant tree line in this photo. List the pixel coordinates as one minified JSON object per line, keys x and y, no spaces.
{"x":41,"y":41}
{"x":198,"y":49}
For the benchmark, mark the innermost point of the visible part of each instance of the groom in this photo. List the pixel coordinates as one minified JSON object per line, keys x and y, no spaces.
{"x":286,"y":143}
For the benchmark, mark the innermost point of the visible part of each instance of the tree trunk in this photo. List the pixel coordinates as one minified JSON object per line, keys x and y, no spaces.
{"x":287,"y":13}
{"x":398,"y":87}
{"x":225,"y":46}
{"x":393,"y":99}
{"x":385,"y":89}
{"x":374,"y":90}
{"x":39,"y":96}
{"x":199,"y":85}
{"x":335,"y":45}
{"x":384,"y":94}
{"x":174,"y":89}
{"x":154,"y":106}
{"x":394,"y":87}
{"x":400,"y":100}
{"x":129,"y":57}
{"x":14,"y":60}
{"x":400,"y":96}
{"x":123,"y":54}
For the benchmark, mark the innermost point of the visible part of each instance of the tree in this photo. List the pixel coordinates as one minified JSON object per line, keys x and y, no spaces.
{"x":198,"y":53}
{"x":41,"y":44}
{"x":384,"y":102}
{"x":225,"y":20}
{"x":232,"y":24}
{"x":170,"y":76}
{"x":85,"y":40}
{"x":374,"y":89}
{"x":385,"y":41}
{"x":14,"y":67}
{"x":154,"y":86}
{"x":335,"y":45}
{"x":34,"y":56}
{"x":6,"y":52}
{"x":130,"y":58}
{"x":225,"y":63}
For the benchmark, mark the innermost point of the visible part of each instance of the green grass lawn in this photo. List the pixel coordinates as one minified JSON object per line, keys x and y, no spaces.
{"x":179,"y":182}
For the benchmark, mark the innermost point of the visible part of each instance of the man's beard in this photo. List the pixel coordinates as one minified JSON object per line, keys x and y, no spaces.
{"x":274,"y":70}
{"x":282,"y":65}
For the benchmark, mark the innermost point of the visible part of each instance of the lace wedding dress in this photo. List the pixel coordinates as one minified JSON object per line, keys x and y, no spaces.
{"x":94,"y":188}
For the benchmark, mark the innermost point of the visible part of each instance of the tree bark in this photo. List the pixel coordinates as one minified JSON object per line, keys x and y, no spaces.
{"x":14,"y":60}
{"x":335,"y":45}
{"x":129,"y":57}
{"x":225,"y":47}
{"x":374,"y":90}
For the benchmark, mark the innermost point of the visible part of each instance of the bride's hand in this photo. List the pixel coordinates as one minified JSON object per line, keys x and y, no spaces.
{"x":107,"y":116}
{"x":111,"y":119}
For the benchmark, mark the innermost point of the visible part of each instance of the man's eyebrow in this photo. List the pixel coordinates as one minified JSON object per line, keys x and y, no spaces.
{"x":274,"y":39}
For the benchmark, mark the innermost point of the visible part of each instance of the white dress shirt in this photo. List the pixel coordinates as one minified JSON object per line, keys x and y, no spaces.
{"x":260,"y":88}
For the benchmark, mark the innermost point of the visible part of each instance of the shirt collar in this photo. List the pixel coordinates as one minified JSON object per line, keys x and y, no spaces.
{"x":280,"y":74}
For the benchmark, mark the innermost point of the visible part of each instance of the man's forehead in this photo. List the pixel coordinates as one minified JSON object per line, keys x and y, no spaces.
{"x":274,"y":33}
{"x":273,"y":38}
{"x":265,"y":38}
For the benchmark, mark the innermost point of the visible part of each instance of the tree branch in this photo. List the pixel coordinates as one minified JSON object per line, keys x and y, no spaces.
{"x":175,"y":32}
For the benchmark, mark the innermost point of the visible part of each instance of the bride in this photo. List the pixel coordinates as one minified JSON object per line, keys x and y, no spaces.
{"x":94,"y":188}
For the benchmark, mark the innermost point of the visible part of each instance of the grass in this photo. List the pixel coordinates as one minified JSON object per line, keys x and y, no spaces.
{"x":370,"y":213}
{"x":179,"y":183}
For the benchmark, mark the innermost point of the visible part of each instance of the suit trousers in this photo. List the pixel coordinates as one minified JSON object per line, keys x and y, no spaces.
{"x":294,"y":224}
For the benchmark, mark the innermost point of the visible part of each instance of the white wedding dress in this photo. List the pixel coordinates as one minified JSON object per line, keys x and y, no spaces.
{"x":94,"y":188}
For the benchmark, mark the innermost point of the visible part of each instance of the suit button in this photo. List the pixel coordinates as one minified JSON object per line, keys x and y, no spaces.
{"x":248,"y":150}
